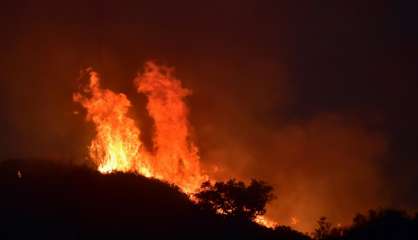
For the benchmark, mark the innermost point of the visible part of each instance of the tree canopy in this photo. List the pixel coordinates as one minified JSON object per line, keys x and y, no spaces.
{"x":234,"y":198}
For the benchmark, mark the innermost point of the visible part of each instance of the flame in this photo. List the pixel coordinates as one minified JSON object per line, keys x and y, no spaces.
{"x":263,"y":220}
{"x":117,"y":145}
{"x":176,"y":155}
{"x":294,"y":221}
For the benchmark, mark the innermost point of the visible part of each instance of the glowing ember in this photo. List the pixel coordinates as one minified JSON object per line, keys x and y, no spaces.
{"x":294,"y":221}
{"x":262,"y":220}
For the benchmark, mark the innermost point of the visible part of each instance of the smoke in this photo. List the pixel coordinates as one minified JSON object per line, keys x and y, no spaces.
{"x":328,"y":165}
{"x":322,"y":164}
{"x":249,"y":68}
{"x":325,"y":165}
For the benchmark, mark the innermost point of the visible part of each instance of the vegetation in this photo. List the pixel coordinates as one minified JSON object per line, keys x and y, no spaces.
{"x":41,"y":200}
{"x":234,"y":199}
{"x":379,"y":224}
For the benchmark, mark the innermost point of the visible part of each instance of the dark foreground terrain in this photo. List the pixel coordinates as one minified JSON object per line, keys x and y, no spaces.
{"x":45,"y":200}
{"x":42,"y":200}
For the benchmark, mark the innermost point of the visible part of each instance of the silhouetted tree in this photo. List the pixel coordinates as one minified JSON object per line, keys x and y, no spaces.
{"x":382,"y":224}
{"x":53,"y":200}
{"x":74,"y":202}
{"x":325,"y":230}
{"x":234,"y":198}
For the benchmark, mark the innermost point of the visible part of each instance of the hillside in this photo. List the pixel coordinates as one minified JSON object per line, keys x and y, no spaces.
{"x":41,"y":199}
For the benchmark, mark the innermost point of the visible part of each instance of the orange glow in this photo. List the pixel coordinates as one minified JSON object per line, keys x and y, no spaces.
{"x":262,"y":220}
{"x":176,"y":156}
{"x":117,"y":146}
{"x":294,"y":221}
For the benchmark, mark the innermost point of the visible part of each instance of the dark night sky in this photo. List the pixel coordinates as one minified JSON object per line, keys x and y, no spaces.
{"x":318,"y":99}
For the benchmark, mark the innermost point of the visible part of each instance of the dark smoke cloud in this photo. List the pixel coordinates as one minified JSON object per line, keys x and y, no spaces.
{"x":324,"y":166}
{"x":317,"y":100}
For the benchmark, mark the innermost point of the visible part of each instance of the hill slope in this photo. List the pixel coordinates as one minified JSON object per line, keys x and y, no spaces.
{"x":45,"y":200}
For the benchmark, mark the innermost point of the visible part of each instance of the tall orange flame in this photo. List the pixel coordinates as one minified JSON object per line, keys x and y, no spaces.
{"x":117,"y":146}
{"x":176,"y":155}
